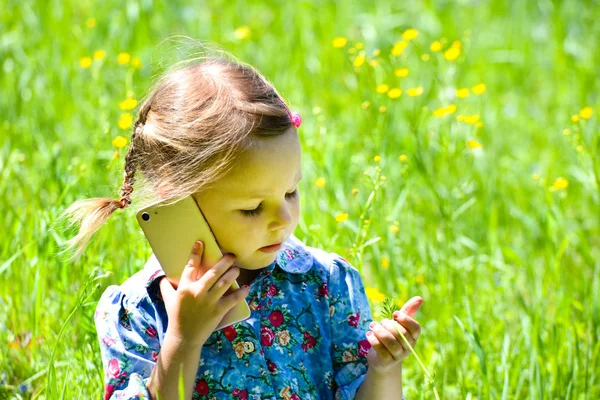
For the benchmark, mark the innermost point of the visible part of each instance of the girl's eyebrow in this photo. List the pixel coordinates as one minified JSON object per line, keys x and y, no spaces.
{"x":260,"y":196}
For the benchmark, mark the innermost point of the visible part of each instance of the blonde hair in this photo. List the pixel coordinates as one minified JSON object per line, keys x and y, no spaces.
{"x":199,"y":116}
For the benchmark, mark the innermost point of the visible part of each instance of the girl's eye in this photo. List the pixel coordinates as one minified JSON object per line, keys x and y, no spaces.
{"x":257,"y":211}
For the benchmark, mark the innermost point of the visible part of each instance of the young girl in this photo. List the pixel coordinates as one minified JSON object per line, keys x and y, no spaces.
{"x":217,"y":130}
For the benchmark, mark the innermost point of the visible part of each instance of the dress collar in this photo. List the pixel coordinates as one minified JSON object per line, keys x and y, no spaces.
{"x":293,"y":257}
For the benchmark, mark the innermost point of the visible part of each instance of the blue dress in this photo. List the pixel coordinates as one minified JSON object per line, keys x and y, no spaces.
{"x":305,"y":338}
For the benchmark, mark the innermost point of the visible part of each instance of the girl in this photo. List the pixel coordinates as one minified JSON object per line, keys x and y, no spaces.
{"x":217,"y":130}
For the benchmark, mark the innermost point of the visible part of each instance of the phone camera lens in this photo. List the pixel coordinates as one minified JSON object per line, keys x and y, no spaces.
{"x":145,"y":216}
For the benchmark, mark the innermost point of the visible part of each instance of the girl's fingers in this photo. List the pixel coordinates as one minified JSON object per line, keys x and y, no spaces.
{"x":413,"y":327}
{"x":412,"y":306}
{"x":387,"y":338}
{"x":190,"y":271}
{"x":166,"y":290}
{"x":383,"y":352}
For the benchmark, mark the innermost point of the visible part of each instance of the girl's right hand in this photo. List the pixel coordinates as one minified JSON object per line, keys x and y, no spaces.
{"x":197,"y":306}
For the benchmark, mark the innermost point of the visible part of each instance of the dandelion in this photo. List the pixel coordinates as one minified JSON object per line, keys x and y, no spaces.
{"x":359,"y":45}
{"x":123,"y":58}
{"x":382,"y":109}
{"x":453,"y":51}
{"x":339,"y":42}
{"x":320,"y":182}
{"x":560,"y":183}
{"x":119,"y":142}
{"x":469,"y":119}
{"x":443,"y":111}
{"x":385,"y":262}
{"x":99,"y":54}
{"x":354,"y":191}
{"x":128,"y":104}
{"x":403,"y":158}
{"x":341,"y":217}
{"x":413,"y":92}
{"x":420,"y":279}
{"x":474,"y":144}
{"x":394,"y":93}
{"x":394,"y":228}
{"x":136,"y":62}
{"x":125,"y":120}
{"x":365,"y":105}
{"x":586,"y":113}
{"x":91,"y":22}
{"x":401,"y":72}
{"x":409,"y":34}
{"x":377,"y":159}
{"x":242,"y":33}
{"x":399,"y":48}
{"x":359,"y":60}
{"x":575,"y":118}
{"x":85,"y":62}
{"x":462,"y":93}
{"x":383,"y":88}
{"x":479,"y":88}
{"x":374,"y":294}
{"x":435,"y":46}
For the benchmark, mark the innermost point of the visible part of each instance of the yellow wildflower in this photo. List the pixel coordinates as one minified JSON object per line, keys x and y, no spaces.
{"x":339,"y":42}
{"x":401,"y":72}
{"x":365,"y":105}
{"x":359,"y":46}
{"x":128,"y":104}
{"x":435,"y":46}
{"x":413,"y":92}
{"x":394,"y":93}
{"x":399,"y":48}
{"x":420,"y":279}
{"x":374,"y":63}
{"x":242,"y":33}
{"x":320,"y":182}
{"x":462,"y":93}
{"x":403,"y":158}
{"x":351,"y":50}
{"x":383,"y":88}
{"x":99,"y":54}
{"x":123,"y":58}
{"x":443,"y":111}
{"x":479,"y":88}
{"x":473,"y":144}
{"x":394,"y":228}
{"x":575,"y":118}
{"x":377,"y":159}
{"x":125,"y":120}
{"x":579,"y":148}
{"x":453,"y":51}
{"x":359,"y":60}
{"x":479,"y":124}
{"x":136,"y":62}
{"x":469,"y":119}
{"x":341,"y":217}
{"x":586,"y":113}
{"x":119,"y":142}
{"x":382,"y":109}
{"x":409,"y":34}
{"x":560,"y":183}
{"x":374,"y":294}
{"x":385,"y":262}
{"x":376,"y":52}
{"x":91,"y":22}
{"x":354,"y":191}
{"x":85,"y":62}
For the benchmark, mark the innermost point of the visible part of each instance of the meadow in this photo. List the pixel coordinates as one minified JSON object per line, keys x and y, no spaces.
{"x":450,"y":151}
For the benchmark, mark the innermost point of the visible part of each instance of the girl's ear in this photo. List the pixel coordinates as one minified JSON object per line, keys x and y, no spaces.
{"x":163,"y":191}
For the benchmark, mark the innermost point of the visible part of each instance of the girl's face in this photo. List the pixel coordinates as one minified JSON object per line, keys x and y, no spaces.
{"x":257,"y":203}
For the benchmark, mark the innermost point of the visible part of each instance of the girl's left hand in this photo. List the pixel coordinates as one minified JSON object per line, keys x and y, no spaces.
{"x":388,"y":348}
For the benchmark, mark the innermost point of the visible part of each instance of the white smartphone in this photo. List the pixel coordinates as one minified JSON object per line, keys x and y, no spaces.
{"x":171,"y":230}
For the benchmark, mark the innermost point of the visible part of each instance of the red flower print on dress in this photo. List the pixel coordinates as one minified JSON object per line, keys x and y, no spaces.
{"x":242,"y":394}
{"x":353,"y":320}
{"x":363,"y":348}
{"x":276,"y":318}
{"x":114,"y":371}
{"x":202,"y":388}
{"x":266,"y":335}
{"x":272,"y":291}
{"x":230,"y":333}
{"x":295,"y":397}
{"x":108,"y":391}
{"x":271,"y":366}
{"x":150,"y":331}
{"x":323,"y":291}
{"x":154,"y":356}
{"x":107,"y":340}
{"x":309,"y":342}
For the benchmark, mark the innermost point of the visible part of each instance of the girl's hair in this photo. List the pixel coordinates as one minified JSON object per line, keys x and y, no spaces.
{"x":196,"y":121}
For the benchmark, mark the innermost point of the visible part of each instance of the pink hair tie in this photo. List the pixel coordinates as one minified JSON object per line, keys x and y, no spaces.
{"x":294,"y":116}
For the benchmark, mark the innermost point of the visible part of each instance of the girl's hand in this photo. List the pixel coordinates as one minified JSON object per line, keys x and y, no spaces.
{"x":388,"y":348}
{"x":198,"y":305}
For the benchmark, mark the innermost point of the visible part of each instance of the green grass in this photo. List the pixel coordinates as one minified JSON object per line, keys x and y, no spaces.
{"x":507,"y":267}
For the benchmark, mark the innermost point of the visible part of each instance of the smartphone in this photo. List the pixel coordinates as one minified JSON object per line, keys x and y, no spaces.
{"x":171,"y":230}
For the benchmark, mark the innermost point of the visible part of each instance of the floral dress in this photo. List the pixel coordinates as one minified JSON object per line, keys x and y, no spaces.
{"x":305,"y":338}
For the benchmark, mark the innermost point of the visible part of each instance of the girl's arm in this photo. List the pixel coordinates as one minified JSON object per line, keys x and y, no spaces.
{"x":382,"y":385}
{"x":175,"y":358}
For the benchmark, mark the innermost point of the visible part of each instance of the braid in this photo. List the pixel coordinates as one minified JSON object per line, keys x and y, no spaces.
{"x":130,"y":162}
